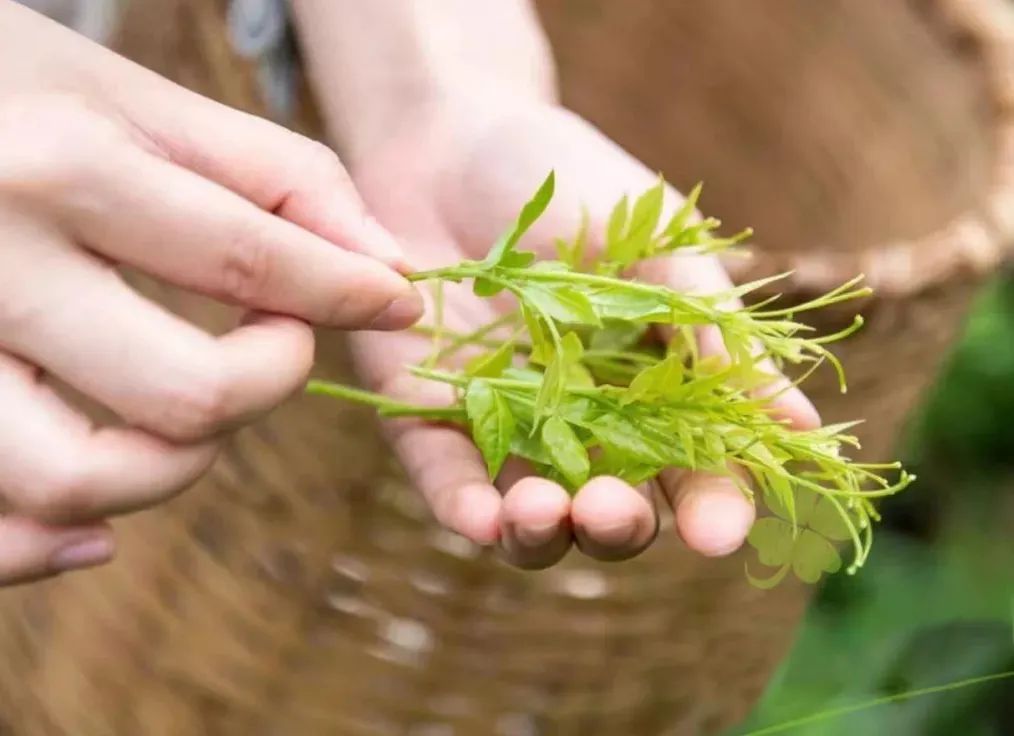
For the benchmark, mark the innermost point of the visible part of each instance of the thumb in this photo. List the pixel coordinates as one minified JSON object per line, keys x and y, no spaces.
{"x":279,"y":170}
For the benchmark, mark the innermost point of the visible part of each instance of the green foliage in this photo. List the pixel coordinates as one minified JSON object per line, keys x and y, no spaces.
{"x":577,"y":392}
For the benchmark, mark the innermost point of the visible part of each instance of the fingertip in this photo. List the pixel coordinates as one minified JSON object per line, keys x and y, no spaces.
{"x":534,"y":509}
{"x":612,"y":520}
{"x":477,"y":514}
{"x":714,"y":518}
{"x":535,"y":523}
{"x":401,"y":312}
{"x":378,"y":242}
{"x":793,"y":406}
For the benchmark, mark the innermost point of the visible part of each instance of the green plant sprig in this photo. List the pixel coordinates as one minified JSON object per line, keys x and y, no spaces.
{"x":577,"y":389}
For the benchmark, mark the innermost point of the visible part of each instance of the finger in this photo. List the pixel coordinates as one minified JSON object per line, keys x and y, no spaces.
{"x":151,"y":214}
{"x":154,"y":370}
{"x":55,"y":465}
{"x":535,"y":523}
{"x":448,"y":470}
{"x":713,"y":516}
{"x":278,"y":170}
{"x":30,"y":550}
{"x":442,"y":462}
{"x":613,"y":520}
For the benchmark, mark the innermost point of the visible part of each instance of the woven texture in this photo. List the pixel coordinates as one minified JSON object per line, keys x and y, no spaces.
{"x":303,"y":589}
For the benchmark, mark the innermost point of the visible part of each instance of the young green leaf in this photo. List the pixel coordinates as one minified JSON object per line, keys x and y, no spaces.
{"x":615,"y":231}
{"x":531,"y":212}
{"x":626,"y":408}
{"x":562,"y":303}
{"x":491,"y":364}
{"x":684,"y":213}
{"x":655,"y":381}
{"x":643,"y":224}
{"x":492,"y":423}
{"x":566,"y":451}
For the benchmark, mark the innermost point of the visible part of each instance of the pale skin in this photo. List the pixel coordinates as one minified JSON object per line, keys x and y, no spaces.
{"x":448,"y":119}
{"x":448,"y":129}
{"x":101,"y":163}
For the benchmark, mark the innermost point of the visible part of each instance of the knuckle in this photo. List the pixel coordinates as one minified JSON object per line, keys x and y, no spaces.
{"x":247,"y":267}
{"x":60,"y":492}
{"x":317,"y":161}
{"x":195,"y":407}
{"x":52,"y":143}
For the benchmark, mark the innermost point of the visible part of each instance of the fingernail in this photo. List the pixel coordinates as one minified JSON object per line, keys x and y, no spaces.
{"x":83,"y":553}
{"x":536,"y":536}
{"x":385,"y":247}
{"x":400,"y":313}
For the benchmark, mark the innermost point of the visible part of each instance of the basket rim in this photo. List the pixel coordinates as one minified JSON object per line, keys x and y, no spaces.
{"x":975,"y":242}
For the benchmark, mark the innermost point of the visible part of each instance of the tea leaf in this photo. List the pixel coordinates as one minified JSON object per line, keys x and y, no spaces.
{"x":531,"y":212}
{"x":562,"y":303}
{"x":655,"y":380}
{"x":566,"y":451}
{"x":491,"y":364}
{"x":492,"y":424}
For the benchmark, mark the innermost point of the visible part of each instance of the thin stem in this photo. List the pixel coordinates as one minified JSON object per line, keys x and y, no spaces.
{"x":384,"y":404}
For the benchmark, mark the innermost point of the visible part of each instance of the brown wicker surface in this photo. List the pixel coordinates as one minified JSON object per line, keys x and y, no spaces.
{"x":302,"y":589}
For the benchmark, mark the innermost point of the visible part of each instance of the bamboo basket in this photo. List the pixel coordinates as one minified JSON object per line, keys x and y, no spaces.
{"x":302,"y":588}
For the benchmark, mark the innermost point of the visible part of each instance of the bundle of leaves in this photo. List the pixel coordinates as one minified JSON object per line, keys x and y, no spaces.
{"x":577,"y":389}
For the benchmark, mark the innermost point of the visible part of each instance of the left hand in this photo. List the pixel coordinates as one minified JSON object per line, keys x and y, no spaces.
{"x":448,"y":188}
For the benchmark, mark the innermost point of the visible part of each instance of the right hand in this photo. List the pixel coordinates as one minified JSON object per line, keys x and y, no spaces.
{"x":103,"y":163}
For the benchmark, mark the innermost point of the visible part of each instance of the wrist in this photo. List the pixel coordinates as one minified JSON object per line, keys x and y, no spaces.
{"x":386,"y":65}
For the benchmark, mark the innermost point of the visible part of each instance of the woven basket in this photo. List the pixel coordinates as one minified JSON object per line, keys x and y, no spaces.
{"x":302,"y":588}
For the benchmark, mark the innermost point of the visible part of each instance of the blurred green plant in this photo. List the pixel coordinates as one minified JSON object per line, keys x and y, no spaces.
{"x":937,"y":600}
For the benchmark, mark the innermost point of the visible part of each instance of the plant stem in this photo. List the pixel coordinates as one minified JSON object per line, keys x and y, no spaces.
{"x":387,"y":406}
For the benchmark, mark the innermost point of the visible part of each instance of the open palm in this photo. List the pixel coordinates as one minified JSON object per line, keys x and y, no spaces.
{"x":447,"y":189}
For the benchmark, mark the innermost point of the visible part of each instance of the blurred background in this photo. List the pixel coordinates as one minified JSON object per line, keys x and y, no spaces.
{"x":936,"y":603}
{"x":856,"y":135}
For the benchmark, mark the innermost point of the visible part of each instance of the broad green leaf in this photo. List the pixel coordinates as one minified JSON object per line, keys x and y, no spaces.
{"x":517,"y":259}
{"x":566,"y":451}
{"x":655,"y":381}
{"x":485,"y":287}
{"x":531,"y":212}
{"x":624,"y":304}
{"x":579,"y":376}
{"x":492,"y":364}
{"x":622,"y":436}
{"x":572,"y":347}
{"x":773,"y":539}
{"x":826,"y":521}
{"x":492,"y":423}
{"x":524,"y":445}
{"x":562,"y":303}
{"x":812,"y":556}
{"x":617,"y":335}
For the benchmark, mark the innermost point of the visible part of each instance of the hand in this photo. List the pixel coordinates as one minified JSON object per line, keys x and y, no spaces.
{"x":449,"y":187}
{"x":130,"y":169}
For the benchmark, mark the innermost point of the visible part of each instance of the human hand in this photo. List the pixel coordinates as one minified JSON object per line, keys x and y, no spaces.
{"x":448,"y":187}
{"x":103,"y":163}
